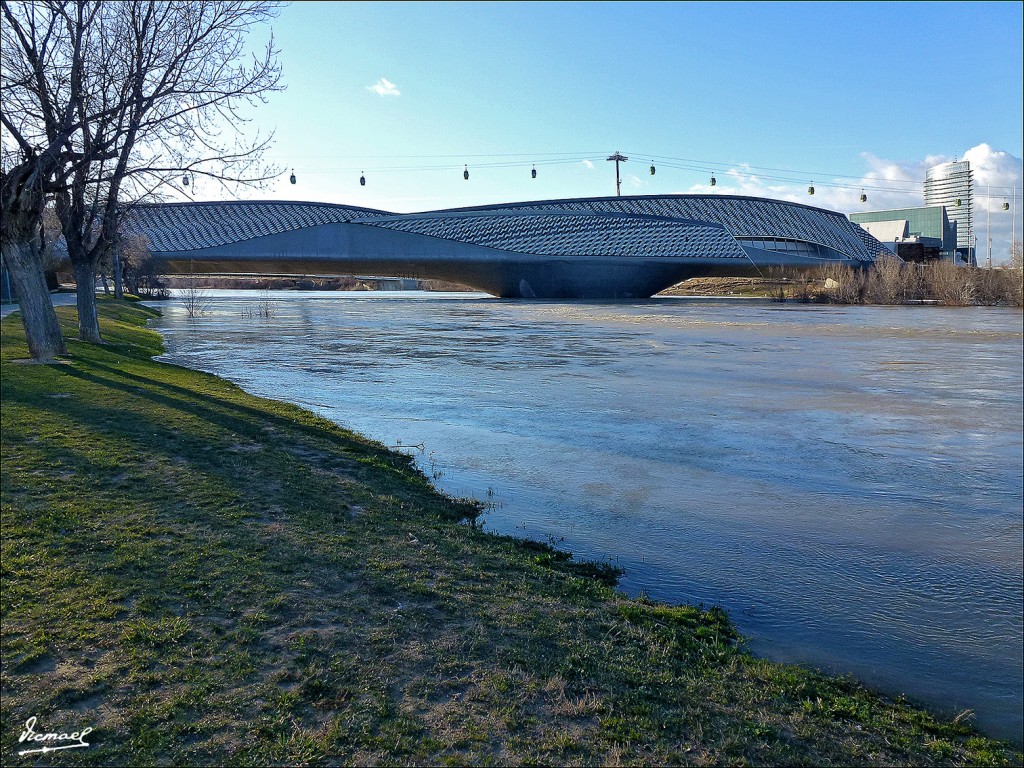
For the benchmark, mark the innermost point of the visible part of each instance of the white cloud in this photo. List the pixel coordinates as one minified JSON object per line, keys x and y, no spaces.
{"x":384,"y":87}
{"x":587,"y":164}
{"x":996,"y":175}
{"x":899,"y":184}
{"x":993,"y":168}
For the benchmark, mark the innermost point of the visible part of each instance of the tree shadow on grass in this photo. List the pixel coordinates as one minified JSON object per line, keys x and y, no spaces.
{"x":225,"y":412}
{"x":179,"y":435}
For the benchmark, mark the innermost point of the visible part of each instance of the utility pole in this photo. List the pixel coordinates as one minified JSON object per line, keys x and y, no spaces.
{"x":618,"y":158}
{"x":1013,"y":220}
{"x":988,"y":225}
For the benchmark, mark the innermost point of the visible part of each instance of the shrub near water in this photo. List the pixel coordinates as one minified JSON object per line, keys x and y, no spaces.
{"x":206,"y":577}
{"x":893,"y":281}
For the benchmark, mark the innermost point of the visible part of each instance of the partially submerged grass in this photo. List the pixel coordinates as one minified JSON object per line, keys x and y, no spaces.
{"x":207,"y":577}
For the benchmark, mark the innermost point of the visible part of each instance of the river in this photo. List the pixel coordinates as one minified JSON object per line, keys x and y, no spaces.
{"x":845,"y":481}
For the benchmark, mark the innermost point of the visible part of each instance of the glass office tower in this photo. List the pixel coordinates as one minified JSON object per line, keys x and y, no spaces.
{"x":951,"y":185}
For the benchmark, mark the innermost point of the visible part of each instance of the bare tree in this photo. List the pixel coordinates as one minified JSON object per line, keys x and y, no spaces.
{"x":35,"y":142}
{"x":147,"y":90}
{"x":134,"y":260}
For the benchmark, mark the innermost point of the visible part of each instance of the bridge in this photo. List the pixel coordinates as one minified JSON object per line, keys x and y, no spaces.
{"x":604,"y":247}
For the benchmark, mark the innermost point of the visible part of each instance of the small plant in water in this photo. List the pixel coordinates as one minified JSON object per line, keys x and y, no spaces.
{"x":196,"y":300}
{"x":492,"y":502}
{"x":435,"y":473}
{"x":265,"y":307}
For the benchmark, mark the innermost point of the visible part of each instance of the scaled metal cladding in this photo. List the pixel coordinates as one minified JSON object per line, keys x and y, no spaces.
{"x":604,"y":247}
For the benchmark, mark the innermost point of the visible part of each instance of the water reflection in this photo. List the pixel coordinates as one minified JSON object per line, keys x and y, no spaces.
{"x":846,"y":481}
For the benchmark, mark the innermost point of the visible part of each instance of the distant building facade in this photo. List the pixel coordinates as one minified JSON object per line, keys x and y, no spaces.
{"x":952,"y":185}
{"x":914,"y":234}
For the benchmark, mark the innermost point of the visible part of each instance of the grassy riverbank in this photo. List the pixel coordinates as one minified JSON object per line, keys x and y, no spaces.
{"x":207,"y":577}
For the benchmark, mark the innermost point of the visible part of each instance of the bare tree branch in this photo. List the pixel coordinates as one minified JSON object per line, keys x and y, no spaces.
{"x":105,"y":103}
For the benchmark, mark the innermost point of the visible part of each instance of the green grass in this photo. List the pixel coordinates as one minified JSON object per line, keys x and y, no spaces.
{"x":207,"y":577}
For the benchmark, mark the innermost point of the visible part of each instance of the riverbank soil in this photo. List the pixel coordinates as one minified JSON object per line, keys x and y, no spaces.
{"x":206,"y":577}
{"x":746,"y":287}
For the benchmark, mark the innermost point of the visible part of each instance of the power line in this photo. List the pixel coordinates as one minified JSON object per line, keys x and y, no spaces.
{"x":446,"y":167}
{"x":708,"y":166}
{"x":582,"y":155}
{"x":498,"y":161}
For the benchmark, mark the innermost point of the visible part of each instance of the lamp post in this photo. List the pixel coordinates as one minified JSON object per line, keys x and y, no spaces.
{"x":618,"y":158}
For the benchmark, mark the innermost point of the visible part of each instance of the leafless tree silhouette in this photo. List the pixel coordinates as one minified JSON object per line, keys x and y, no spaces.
{"x":107,"y":104}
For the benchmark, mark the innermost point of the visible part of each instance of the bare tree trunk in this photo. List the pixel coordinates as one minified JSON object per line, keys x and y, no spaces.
{"x":88,"y":320}
{"x":21,"y":200}
{"x":42,"y":330}
{"x":115,"y":260}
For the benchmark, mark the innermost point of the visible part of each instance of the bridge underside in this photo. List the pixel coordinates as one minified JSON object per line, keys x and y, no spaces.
{"x":547,"y":279}
{"x":518,"y":277}
{"x":539,"y":252}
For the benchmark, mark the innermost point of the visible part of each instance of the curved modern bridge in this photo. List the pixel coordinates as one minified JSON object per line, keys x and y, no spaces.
{"x":602,"y":247}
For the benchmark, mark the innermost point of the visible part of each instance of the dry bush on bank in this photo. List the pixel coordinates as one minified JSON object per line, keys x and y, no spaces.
{"x":950,"y":284}
{"x":1014,"y":275}
{"x":1015,"y":288}
{"x":892,"y":281}
{"x":886,"y":283}
{"x":990,"y":286}
{"x":842,"y":284}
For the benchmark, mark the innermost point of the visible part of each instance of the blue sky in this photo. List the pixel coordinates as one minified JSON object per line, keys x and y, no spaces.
{"x":845,"y":95}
